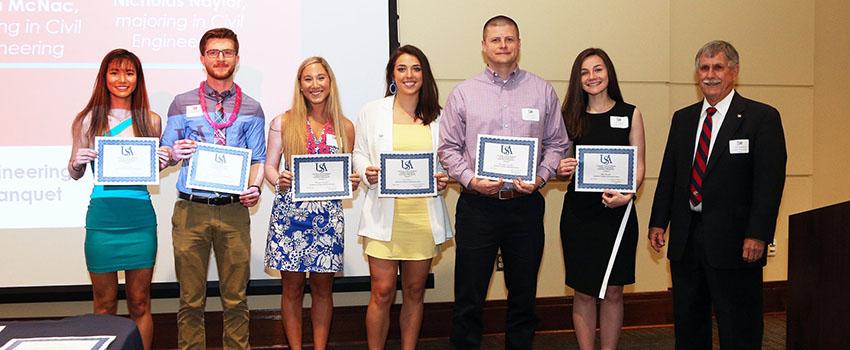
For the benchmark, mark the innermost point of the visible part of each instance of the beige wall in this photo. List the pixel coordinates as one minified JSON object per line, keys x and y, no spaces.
{"x":794,"y":56}
{"x":652,"y":44}
{"x":831,"y":102}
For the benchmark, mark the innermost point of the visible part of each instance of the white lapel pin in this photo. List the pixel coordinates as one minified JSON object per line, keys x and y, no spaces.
{"x":739,"y":116}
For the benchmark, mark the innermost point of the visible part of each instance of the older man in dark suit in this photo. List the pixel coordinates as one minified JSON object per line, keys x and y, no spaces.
{"x":719,"y":190}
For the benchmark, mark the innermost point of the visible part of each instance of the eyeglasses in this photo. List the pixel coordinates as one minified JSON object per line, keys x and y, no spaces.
{"x":213,"y":53}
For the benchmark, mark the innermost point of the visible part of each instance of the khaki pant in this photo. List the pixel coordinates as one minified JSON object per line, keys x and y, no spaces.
{"x":226,"y":229}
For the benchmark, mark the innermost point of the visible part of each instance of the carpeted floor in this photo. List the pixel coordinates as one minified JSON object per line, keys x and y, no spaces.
{"x":639,"y":338}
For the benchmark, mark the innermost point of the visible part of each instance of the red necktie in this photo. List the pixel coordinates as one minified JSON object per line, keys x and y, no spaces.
{"x":701,"y":158}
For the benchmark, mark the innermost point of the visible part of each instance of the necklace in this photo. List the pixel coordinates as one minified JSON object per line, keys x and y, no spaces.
{"x":233,"y":114}
{"x":320,"y":147}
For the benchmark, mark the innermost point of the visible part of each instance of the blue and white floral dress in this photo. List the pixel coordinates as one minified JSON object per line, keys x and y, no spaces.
{"x":307,"y":236}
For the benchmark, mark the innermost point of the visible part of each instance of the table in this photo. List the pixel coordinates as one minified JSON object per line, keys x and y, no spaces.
{"x":126,"y":334}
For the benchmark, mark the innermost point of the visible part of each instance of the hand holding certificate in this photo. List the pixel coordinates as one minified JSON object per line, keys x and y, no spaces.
{"x":603,"y":168}
{"x":321,"y":177}
{"x":501,"y":157}
{"x":219,"y":168}
{"x":407,"y":174}
{"x":126,"y":161}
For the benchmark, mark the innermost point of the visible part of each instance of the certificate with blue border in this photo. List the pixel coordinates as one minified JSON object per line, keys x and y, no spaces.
{"x":93,"y":342}
{"x":320,"y":177}
{"x":603,"y":168}
{"x":126,"y":161}
{"x":218,"y":168}
{"x":507,"y":158}
{"x":407,"y":174}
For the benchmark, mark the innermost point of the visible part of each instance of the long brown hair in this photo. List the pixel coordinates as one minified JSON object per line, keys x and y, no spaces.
{"x":428,"y":108}
{"x":575,"y":104}
{"x":100,"y":101}
{"x":293,"y":129}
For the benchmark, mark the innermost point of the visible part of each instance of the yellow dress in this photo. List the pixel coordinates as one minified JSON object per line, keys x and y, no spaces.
{"x":411,"y":238}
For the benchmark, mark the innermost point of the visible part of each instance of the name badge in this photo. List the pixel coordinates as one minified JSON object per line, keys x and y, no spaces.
{"x":331,"y":140}
{"x":619,"y":122}
{"x":531,"y":114}
{"x":739,"y":146}
{"x":194,"y":111}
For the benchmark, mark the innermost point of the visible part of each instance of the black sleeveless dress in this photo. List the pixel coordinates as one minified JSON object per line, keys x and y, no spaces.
{"x":588,"y":228}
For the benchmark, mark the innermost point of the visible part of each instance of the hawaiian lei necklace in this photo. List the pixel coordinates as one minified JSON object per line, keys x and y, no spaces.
{"x":322,"y":147}
{"x":233,"y":114}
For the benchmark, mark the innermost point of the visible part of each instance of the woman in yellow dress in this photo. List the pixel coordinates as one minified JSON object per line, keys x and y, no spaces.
{"x":400,"y":233}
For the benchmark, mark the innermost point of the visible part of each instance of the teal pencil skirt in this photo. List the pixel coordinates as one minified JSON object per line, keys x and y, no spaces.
{"x":120,"y":234}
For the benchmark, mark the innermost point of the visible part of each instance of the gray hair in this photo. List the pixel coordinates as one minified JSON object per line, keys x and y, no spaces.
{"x":714,"y":47}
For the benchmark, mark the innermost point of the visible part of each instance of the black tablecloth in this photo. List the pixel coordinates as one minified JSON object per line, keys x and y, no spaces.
{"x":126,"y":334}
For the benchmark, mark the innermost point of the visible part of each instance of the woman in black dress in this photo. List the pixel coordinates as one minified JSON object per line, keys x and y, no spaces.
{"x":595,"y":114}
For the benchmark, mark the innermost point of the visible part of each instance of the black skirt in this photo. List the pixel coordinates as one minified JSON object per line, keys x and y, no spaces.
{"x":588,"y":233}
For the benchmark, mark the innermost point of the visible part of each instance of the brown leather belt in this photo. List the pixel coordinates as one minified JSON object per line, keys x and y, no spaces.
{"x":501,"y":195}
{"x":227,"y":199}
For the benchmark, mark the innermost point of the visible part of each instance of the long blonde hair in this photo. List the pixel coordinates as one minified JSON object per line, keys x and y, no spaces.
{"x":293,"y":129}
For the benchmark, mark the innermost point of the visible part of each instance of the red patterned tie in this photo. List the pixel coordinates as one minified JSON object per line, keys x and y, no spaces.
{"x":701,"y":158}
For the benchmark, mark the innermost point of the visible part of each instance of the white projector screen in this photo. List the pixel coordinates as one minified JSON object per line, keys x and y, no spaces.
{"x":49,"y":55}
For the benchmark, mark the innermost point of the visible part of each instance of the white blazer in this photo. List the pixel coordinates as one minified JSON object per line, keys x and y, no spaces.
{"x":373,"y":135}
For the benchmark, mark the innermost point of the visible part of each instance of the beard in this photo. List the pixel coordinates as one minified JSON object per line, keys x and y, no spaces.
{"x":213,"y":72}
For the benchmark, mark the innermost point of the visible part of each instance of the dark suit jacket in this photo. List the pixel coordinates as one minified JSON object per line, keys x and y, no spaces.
{"x":741,"y":192}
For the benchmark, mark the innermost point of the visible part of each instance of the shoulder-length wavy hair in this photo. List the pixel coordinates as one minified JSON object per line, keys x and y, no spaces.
{"x":100,"y":101}
{"x":428,"y":108}
{"x":293,"y":129}
{"x":574,"y":107}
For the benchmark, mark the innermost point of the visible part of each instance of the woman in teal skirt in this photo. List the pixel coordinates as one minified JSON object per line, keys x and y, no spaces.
{"x":120,"y":222}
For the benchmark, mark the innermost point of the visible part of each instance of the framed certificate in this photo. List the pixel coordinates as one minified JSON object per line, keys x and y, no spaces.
{"x":508,"y":158}
{"x":603,"y":168}
{"x":126,"y":161}
{"x":93,"y":342}
{"x":319,"y":177}
{"x":407,"y":174}
{"x":219,"y":168}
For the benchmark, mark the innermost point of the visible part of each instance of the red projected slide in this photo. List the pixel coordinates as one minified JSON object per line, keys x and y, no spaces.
{"x":50,"y":52}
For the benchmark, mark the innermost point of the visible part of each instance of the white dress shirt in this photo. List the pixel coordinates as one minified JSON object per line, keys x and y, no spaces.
{"x":716,"y":122}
